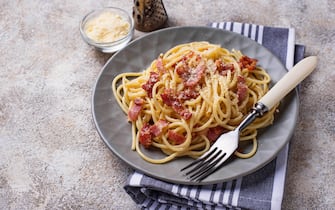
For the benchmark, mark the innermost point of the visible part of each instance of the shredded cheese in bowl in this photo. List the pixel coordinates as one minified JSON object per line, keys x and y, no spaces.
{"x":107,"y":27}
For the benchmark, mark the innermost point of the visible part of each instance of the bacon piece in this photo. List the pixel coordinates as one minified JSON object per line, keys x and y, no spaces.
{"x":191,"y":76}
{"x":154,"y":77}
{"x":135,"y":109}
{"x":242,"y":89}
{"x":188,"y":94}
{"x":148,"y":132}
{"x":145,"y":137}
{"x":191,"y":71}
{"x":223,"y":68}
{"x":214,"y":133}
{"x":182,"y":69}
{"x":186,"y":114}
{"x":170,"y":98}
{"x":175,"y":137}
{"x":178,"y":107}
{"x":247,"y":62}
{"x":158,"y":127}
{"x":195,"y":75}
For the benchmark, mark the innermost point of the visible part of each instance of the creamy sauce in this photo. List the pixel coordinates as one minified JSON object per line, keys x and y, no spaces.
{"x":107,"y":27}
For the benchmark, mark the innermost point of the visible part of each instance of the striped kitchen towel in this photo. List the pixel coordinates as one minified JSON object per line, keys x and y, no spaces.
{"x":260,"y":190}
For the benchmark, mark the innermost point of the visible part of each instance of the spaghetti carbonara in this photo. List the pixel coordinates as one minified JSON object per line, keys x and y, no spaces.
{"x":189,"y":96}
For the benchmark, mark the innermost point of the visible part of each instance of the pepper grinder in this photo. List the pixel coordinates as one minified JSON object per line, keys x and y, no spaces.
{"x":149,"y":15}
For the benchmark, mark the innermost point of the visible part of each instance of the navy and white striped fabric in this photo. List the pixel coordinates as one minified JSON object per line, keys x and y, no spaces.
{"x":260,"y":190}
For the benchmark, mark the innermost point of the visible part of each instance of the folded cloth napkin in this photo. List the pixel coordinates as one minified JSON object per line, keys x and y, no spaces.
{"x":262,"y":189}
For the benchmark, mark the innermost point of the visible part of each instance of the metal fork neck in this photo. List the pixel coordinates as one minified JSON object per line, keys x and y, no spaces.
{"x":258,"y":111}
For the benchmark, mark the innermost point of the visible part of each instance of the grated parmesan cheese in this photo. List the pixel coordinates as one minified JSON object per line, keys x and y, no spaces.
{"x":107,"y":27}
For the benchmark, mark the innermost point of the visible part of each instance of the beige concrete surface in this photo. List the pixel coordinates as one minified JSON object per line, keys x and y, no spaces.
{"x":51,"y":156}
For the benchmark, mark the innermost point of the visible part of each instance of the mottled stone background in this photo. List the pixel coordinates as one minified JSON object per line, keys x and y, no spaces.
{"x":51,"y":156}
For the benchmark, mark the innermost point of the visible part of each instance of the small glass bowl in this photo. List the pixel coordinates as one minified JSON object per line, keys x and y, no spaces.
{"x":108,"y":47}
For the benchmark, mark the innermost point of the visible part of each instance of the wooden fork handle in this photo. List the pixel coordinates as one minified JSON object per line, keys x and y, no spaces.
{"x":289,"y":81}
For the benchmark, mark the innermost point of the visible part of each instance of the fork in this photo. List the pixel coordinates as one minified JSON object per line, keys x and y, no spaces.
{"x":227,"y":143}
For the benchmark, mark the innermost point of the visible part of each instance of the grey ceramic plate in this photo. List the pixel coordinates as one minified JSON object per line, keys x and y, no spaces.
{"x":115,"y":131}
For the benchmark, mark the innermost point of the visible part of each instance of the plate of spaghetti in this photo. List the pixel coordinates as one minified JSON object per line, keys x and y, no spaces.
{"x":166,"y":97}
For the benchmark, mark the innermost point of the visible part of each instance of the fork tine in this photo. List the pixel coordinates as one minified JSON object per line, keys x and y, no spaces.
{"x":214,"y":158}
{"x":220,"y":162}
{"x":204,"y":164}
{"x":209,"y":169}
{"x":201,"y":159}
